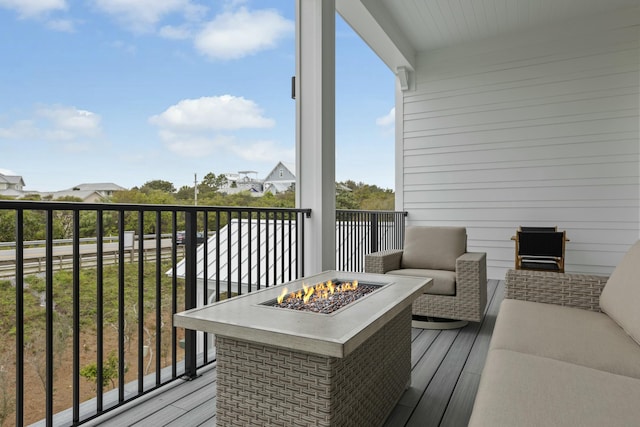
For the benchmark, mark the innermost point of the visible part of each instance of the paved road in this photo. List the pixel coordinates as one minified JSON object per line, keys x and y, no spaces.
{"x":9,"y":255}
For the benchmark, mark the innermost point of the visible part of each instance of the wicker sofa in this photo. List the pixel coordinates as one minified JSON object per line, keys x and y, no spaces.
{"x":459,"y":288}
{"x":565,"y":351}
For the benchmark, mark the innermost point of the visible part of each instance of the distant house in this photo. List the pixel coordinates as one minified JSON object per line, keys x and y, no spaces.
{"x":87,"y":196}
{"x":89,"y":193}
{"x":280,"y":179}
{"x":11,"y":185}
{"x":243,"y":181}
{"x":106,"y":189}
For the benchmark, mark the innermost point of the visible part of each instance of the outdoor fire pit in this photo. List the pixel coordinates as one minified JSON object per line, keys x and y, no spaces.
{"x":292,"y":365}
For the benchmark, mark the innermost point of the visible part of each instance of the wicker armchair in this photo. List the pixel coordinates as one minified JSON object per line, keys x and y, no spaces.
{"x":440,"y":253}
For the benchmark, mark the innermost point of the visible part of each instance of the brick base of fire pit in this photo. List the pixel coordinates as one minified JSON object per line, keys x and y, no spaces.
{"x":265,"y":385}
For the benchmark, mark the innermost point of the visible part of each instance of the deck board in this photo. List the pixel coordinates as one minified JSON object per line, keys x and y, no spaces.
{"x":446,"y":367}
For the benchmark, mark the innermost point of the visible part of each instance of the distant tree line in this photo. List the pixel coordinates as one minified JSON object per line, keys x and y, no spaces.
{"x":349,"y":195}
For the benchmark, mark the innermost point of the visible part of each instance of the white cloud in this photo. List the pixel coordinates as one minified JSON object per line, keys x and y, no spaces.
{"x":233,"y":35}
{"x":387,"y":120}
{"x":224,"y":112}
{"x":56,"y":123}
{"x":7,"y":172}
{"x":263,"y":151}
{"x":71,"y":123}
{"x":143,"y":15}
{"x":33,"y":8}
{"x":200,"y":127}
{"x":194,"y":145}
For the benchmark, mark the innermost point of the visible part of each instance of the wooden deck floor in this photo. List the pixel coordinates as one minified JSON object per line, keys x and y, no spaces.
{"x":446,"y":367}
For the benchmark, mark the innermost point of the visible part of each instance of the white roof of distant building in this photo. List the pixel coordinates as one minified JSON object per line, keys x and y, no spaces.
{"x":350,"y":237}
{"x":12,"y":179}
{"x":98,"y":186}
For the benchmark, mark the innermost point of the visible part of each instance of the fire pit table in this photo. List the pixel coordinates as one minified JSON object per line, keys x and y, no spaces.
{"x":291,"y":367}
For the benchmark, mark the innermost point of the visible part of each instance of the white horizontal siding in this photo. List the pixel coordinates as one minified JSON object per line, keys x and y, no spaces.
{"x":540,"y":128}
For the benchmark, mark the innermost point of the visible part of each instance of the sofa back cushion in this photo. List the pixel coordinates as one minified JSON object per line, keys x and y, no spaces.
{"x":434,"y":248}
{"x":620,"y":298}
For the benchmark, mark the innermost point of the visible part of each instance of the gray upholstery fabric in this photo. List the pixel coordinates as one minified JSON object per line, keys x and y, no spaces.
{"x":620,"y":298}
{"x":433,"y":248}
{"x":518,"y":389}
{"x":572,"y":335}
{"x":444,"y":282}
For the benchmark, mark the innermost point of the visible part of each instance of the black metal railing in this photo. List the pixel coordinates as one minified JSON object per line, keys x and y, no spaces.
{"x":108,"y":333}
{"x":359,"y":233}
{"x":95,"y":337}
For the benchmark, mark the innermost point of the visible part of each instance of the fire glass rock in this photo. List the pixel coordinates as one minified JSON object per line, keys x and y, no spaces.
{"x":325,"y":304}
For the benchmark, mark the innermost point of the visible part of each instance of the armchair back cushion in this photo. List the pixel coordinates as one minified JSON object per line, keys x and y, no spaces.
{"x":433,"y":248}
{"x":620,"y":298}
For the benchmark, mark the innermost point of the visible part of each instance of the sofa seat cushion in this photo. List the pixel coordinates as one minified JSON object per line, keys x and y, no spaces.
{"x":620,"y":297}
{"x":434,"y":248}
{"x":518,"y":389}
{"x":572,"y":335}
{"x":444,"y":282}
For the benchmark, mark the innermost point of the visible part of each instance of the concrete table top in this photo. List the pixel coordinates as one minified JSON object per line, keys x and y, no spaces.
{"x":337,"y":334}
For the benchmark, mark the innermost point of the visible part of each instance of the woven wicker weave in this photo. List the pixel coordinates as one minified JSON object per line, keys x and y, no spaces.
{"x":471,"y":286}
{"x":267,"y":385}
{"x":573,"y":290}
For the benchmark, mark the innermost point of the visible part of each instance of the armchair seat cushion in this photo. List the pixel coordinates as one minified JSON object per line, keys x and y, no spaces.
{"x":444,"y":282}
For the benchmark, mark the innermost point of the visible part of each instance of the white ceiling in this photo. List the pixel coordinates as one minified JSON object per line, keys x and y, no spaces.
{"x":398,"y":30}
{"x":430,"y":24}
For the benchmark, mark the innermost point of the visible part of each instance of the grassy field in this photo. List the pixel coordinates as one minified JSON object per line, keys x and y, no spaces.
{"x":35,"y":327}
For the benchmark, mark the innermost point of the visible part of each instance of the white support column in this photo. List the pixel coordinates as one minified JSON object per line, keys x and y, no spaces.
{"x":315,"y":129}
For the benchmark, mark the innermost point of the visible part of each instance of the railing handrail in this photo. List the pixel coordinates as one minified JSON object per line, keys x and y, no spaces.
{"x":86,"y":206}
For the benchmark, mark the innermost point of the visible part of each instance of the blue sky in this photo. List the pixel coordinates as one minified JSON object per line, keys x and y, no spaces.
{"x":129,"y":91}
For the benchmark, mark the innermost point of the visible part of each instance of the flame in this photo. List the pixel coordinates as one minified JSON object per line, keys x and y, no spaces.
{"x":318,"y":291}
{"x":308,"y":293}
{"x":281,"y":297}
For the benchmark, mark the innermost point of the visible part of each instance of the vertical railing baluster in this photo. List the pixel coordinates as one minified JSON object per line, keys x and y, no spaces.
{"x":302,"y":248}
{"x":174,"y":293}
{"x":258,"y":249}
{"x":121,"y":303}
{"x":250,"y":251}
{"x":374,"y":232}
{"x":190,"y":295}
{"x":229,"y":249}
{"x":205,"y":279}
{"x":99,"y":309}
{"x":140,"y":310}
{"x":266,"y":249}
{"x":290,"y":245}
{"x":19,"y":233}
{"x":275,"y":248}
{"x":240,"y":257}
{"x":76,"y":316}
{"x":218,"y":213}
{"x":49,"y":318}
{"x":158,"y":346}
{"x":282,"y":280}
